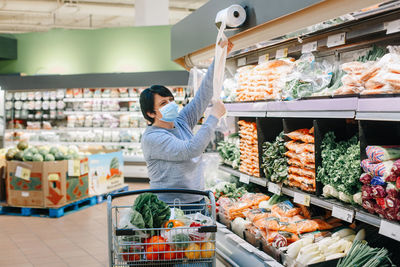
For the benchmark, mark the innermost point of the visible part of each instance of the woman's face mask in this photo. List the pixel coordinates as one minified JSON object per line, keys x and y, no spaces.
{"x":169,"y":112}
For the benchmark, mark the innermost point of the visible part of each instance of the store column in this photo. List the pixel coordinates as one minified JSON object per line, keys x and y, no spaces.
{"x":151,"y":12}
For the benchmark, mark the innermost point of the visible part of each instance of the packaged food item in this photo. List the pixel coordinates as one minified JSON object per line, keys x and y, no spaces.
{"x":97,"y":93}
{"x":17,"y":114}
{"x":60,"y":105}
{"x":377,"y":154}
{"x":366,"y":178}
{"x":124,"y":121}
{"x":106,"y":93}
{"x":125,"y":136}
{"x":301,"y":172}
{"x":285,"y":209}
{"x":17,"y":95}
{"x":114,"y":93}
{"x":18,"y":104}
{"x":298,"y":147}
{"x":87,"y":106}
{"x":98,"y":136}
{"x":249,"y":162}
{"x":96,"y":105}
{"x":38,"y":95}
{"x":87,"y":93}
{"x":46,"y":125}
{"x":123,"y":92}
{"x":46,"y":95}
{"x":9,"y":96}
{"x":53,"y":105}
{"x":382,"y":169}
{"x":133,"y":122}
{"x":77,"y":92}
{"x":60,"y":94}
{"x":304,"y":135}
{"x":53,"y":114}
{"x":115,"y":136}
{"x":31,"y":95}
{"x":33,"y":125}
{"x":71,"y":121}
{"x":9,"y":105}
{"x":107,"y":136}
{"x":88,"y":121}
{"x":45,"y":105}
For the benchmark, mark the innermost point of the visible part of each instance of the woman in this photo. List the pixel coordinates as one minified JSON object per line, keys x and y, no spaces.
{"x":172,"y":152}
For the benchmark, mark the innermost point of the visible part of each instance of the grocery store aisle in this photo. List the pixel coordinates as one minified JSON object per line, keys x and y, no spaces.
{"x":77,"y":239}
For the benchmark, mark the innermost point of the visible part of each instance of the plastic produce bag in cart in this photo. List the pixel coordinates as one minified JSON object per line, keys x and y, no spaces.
{"x":154,"y":233}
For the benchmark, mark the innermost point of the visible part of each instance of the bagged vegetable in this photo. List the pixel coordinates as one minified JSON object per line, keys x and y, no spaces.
{"x":366,"y":178}
{"x":307,"y":78}
{"x":370,"y":205}
{"x":392,"y":190}
{"x":286,"y":209}
{"x":378,"y":154}
{"x":382,"y":169}
{"x":305,"y":135}
{"x":378,"y":191}
{"x":366,"y":191}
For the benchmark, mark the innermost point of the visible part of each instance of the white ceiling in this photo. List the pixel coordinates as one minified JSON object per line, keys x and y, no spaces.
{"x":18,"y":16}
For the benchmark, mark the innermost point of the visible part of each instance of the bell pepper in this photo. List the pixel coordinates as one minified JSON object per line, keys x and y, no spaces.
{"x":173,"y":224}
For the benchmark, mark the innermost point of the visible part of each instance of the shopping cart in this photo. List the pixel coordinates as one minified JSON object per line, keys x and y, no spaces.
{"x":189,"y":245}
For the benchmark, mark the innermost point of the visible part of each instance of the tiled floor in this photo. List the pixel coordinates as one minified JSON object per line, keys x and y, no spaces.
{"x":77,"y":239}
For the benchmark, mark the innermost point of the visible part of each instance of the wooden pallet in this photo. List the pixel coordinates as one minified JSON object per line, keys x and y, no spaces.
{"x":49,"y":212}
{"x":103,"y":197}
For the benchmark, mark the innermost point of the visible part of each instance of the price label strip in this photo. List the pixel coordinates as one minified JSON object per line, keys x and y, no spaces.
{"x":393,"y":26}
{"x":336,"y":39}
{"x":74,"y":167}
{"x":275,"y":188}
{"x":244,"y":178}
{"x":309,"y":47}
{"x":343,"y":214}
{"x":263,"y":58}
{"x":302,"y":199}
{"x":241,"y":62}
{"x":280,"y":53}
{"x":390,"y":229}
{"x":23,"y":173}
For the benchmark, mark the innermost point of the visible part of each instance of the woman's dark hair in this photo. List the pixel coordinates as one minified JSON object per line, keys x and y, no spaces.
{"x":147,"y":99}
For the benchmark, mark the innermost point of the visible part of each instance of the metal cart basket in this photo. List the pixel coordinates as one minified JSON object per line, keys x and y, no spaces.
{"x":191,"y":243}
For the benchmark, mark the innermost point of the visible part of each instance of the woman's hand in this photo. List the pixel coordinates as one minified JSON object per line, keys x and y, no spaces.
{"x":230,"y":45}
{"x":218,"y":109}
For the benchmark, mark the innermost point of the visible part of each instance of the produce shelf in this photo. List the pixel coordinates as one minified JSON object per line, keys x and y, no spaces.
{"x":254,"y":180}
{"x":70,"y":129}
{"x":310,"y":108}
{"x":119,"y":99}
{"x":133,"y":113}
{"x":329,"y":204}
{"x":384,"y":109}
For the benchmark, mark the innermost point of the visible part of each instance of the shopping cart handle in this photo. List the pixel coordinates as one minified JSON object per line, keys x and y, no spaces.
{"x":156,"y":191}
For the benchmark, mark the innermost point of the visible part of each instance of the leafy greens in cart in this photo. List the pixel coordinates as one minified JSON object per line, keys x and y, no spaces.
{"x":149,"y":211}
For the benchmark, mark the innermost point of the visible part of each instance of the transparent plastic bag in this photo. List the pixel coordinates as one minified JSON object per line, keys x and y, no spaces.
{"x":307,"y":78}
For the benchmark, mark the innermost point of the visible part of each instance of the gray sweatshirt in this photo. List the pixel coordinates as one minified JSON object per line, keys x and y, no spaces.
{"x":174,"y":156}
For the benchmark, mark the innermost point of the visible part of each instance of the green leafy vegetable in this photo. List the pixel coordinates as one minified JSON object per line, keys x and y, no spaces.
{"x":229,"y":152}
{"x":137,"y":219}
{"x":230,"y":190}
{"x":274,"y":159}
{"x":340,"y":164}
{"x":154,"y":212}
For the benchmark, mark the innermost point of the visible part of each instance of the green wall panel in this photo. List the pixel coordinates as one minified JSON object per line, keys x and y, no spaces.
{"x":59,"y":51}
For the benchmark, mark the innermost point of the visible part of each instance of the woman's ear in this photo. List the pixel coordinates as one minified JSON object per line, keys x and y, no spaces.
{"x":151,"y":114}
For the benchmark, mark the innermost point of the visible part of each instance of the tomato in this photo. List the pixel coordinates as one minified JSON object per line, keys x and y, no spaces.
{"x":131,"y":257}
{"x":150,"y":255}
{"x":158,"y":243}
{"x":169,"y":254}
{"x":179,"y":255}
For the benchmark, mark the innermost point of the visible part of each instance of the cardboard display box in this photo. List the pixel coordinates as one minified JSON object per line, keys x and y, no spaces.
{"x":46,"y":184}
{"x":106,"y":172}
{"x":36,"y":184}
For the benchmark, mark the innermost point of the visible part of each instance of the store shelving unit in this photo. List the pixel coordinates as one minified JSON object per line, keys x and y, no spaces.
{"x":359,"y":214}
{"x":346,"y":116}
